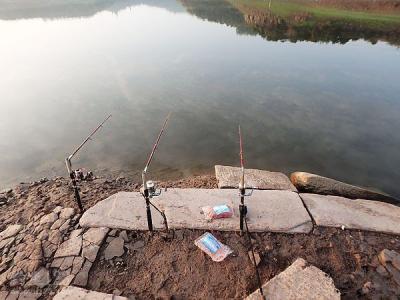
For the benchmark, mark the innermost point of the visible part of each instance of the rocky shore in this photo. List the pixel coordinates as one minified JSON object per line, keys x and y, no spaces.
{"x":43,"y":249}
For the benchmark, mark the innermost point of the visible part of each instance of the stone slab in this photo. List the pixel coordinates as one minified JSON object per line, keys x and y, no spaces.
{"x":72,"y":292}
{"x":123,"y":210}
{"x":334,"y":211}
{"x":229,"y":177}
{"x":299,"y":281}
{"x":311,"y":183}
{"x":278,"y":211}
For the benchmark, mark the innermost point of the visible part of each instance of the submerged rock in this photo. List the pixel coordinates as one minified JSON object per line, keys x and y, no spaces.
{"x":311,"y":183}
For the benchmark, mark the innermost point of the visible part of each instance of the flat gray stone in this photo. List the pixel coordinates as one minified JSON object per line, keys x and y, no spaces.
{"x":40,"y":279}
{"x":72,"y":292}
{"x":229,"y":177}
{"x":299,"y":281}
{"x":115,"y":248}
{"x":81,"y":279}
{"x":124,"y":210}
{"x":67,"y":280}
{"x":267,"y":211}
{"x":71,"y":247}
{"x":10,"y":231}
{"x":334,"y":211}
{"x":95,"y":235}
{"x":311,"y":183}
{"x":89,"y":251}
{"x":67,"y":213}
{"x":49,"y":218}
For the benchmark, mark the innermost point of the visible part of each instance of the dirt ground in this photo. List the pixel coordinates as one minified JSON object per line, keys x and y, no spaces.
{"x":154,"y":267}
{"x":177,"y":269}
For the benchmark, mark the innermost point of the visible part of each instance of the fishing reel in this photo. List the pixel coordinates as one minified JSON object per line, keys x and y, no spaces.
{"x":152,"y":188}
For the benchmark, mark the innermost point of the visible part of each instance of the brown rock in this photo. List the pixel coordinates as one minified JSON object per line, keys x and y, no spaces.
{"x":57,"y":262}
{"x":90,"y":252}
{"x":95,"y":235}
{"x":40,"y":279}
{"x":49,"y":218}
{"x":67,"y":213}
{"x":229,"y":177}
{"x":65,"y":226}
{"x":55,"y":237}
{"x":57,"y":224}
{"x":257,"y":257}
{"x":37,"y":252}
{"x":67,"y":280}
{"x":382,"y":271}
{"x":75,"y":233}
{"x":67,"y":263}
{"x":13,"y":295}
{"x":386,"y":256}
{"x":124,"y":236}
{"x":114,"y":249}
{"x":43,"y":235}
{"x":77,"y":264}
{"x":299,"y":281}
{"x":71,"y":247}
{"x":311,"y":183}
{"x":26,"y":295}
{"x":48,"y":249}
{"x":10,"y":231}
{"x":395,"y":274}
{"x":81,"y":278}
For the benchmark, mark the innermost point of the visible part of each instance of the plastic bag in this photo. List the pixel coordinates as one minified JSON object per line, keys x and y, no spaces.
{"x":214,"y":248}
{"x":217,"y":212}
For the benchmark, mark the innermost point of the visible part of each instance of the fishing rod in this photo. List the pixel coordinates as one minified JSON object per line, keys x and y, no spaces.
{"x":243,"y":212}
{"x":69,"y":164}
{"x":149,"y":188}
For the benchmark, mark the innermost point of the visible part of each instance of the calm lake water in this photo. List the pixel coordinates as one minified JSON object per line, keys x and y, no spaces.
{"x":322,"y":107}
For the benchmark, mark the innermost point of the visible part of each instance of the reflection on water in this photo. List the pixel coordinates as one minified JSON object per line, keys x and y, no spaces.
{"x":326,"y":108}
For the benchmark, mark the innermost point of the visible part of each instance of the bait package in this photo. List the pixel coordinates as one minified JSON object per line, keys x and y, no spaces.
{"x":214,"y":248}
{"x":217,"y":212}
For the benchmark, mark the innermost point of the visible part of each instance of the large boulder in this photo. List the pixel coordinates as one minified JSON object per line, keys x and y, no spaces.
{"x":311,"y":183}
{"x":229,"y":177}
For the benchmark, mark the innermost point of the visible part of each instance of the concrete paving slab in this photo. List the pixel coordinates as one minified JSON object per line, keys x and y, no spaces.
{"x":299,"y":281}
{"x":278,"y":211}
{"x":72,"y":292}
{"x":229,"y":177}
{"x":334,"y":211}
{"x":123,"y":210}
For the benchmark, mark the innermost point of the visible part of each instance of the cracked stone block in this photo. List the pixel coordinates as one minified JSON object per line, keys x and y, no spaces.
{"x":77,"y":264}
{"x":299,"y":281}
{"x":71,"y":247}
{"x":49,"y":218}
{"x":67,"y":280}
{"x":40,"y":279}
{"x":26,"y":295}
{"x":10,"y":231}
{"x":229,"y":177}
{"x":90,"y":251}
{"x":72,"y":292}
{"x":81,"y":279}
{"x":95,"y":235}
{"x":114,"y":249}
{"x":67,"y":213}
{"x":67,"y":263}
{"x":57,"y":262}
